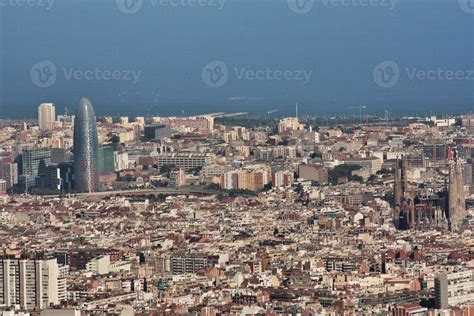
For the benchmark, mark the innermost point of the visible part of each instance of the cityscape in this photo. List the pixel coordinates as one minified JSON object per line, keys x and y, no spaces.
{"x":236,"y":214}
{"x":236,"y":157}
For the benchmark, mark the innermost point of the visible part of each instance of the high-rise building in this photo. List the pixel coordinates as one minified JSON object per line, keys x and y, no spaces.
{"x":106,"y":159}
{"x":177,"y":177}
{"x":454,"y":288}
{"x":33,"y":160}
{"x":49,"y":178}
{"x":8,"y":171}
{"x":86,"y":162}
{"x":3,"y":186}
{"x":32,"y":284}
{"x":66,"y":171}
{"x":46,"y":115}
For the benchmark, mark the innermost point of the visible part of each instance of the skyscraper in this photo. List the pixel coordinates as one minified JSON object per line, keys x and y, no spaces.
{"x":32,"y":160}
{"x":46,"y":115}
{"x":86,"y":173}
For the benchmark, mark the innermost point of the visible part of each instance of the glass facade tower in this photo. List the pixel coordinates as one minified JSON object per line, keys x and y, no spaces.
{"x":86,"y":173}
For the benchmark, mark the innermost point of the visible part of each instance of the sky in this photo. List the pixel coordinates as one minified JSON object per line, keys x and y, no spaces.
{"x":170,"y":57}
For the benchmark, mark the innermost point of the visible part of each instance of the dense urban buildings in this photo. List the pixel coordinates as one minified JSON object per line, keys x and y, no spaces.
{"x":224,"y":214}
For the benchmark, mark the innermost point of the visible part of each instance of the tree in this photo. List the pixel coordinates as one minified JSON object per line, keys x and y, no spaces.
{"x":213,"y":186}
{"x":372,"y":178}
{"x":196,"y":170}
{"x":267,"y":187}
{"x":115,"y":139}
{"x":166,"y":169}
{"x":344,"y":170}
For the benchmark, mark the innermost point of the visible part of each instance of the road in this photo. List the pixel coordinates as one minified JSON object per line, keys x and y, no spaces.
{"x":164,"y":190}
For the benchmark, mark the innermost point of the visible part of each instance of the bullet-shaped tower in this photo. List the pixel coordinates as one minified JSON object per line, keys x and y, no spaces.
{"x":85,"y":149}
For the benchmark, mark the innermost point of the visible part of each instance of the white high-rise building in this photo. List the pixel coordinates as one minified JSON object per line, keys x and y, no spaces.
{"x":10,"y":173}
{"x":46,"y":115}
{"x":454,"y":288}
{"x":32,"y":284}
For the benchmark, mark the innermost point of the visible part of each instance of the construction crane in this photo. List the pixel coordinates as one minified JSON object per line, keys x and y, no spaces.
{"x":360,"y":107}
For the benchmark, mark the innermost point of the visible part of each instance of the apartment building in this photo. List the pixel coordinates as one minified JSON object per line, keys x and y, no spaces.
{"x":454,"y":288}
{"x":177,"y":177}
{"x":186,"y":160}
{"x":32,"y":284}
{"x":46,"y":116}
{"x":313,"y":172}
{"x":187,"y":263}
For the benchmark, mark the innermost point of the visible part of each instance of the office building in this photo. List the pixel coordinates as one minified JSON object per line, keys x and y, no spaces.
{"x":86,"y":173}
{"x":66,"y":170}
{"x":106,"y":159}
{"x":50,"y":179}
{"x":33,"y":160}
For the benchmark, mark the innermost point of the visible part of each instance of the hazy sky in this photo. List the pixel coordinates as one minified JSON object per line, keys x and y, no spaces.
{"x":166,"y":56}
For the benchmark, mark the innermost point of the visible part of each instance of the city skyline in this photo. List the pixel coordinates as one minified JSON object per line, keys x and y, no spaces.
{"x":258,"y":64}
